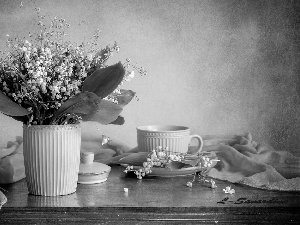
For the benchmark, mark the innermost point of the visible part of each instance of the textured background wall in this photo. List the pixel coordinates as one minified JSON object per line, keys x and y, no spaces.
{"x":218,"y":67}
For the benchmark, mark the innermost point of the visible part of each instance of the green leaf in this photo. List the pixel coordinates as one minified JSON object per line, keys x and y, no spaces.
{"x":22,"y":119}
{"x":176,"y":165}
{"x":134,"y":159}
{"x":125,"y":97}
{"x":81,"y":104}
{"x":10,"y":108}
{"x":104,"y":81}
{"x":105,"y":113}
{"x":119,"y":121}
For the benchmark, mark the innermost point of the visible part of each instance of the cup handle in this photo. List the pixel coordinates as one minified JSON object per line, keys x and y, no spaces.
{"x":200,"y":141}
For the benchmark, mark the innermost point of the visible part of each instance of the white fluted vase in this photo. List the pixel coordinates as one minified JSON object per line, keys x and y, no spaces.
{"x":51,"y":158}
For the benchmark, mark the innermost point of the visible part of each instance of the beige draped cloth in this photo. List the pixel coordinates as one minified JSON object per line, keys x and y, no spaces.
{"x":259,"y":165}
{"x":12,"y":162}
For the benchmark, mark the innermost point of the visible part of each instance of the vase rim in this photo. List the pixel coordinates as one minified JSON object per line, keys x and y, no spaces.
{"x":52,"y":127}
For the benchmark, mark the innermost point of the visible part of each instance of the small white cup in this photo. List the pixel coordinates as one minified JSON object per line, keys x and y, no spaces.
{"x":176,"y":138}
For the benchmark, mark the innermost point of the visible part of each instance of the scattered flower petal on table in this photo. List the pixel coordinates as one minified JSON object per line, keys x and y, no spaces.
{"x":189,"y":184}
{"x":213,"y":183}
{"x":105,"y":139}
{"x":228,"y":190}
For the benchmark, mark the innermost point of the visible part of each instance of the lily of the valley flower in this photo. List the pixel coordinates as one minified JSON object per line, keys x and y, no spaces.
{"x":213,"y":184}
{"x":189,"y":184}
{"x":229,"y":190}
{"x":49,"y":74}
{"x":105,"y":139}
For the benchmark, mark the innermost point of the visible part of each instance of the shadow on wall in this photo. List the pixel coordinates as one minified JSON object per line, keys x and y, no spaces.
{"x":274,"y":72}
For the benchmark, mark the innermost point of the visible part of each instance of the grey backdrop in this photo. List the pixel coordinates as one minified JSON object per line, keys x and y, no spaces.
{"x":219,"y":67}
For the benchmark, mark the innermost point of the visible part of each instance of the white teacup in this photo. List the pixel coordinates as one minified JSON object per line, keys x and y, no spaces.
{"x":176,"y":138}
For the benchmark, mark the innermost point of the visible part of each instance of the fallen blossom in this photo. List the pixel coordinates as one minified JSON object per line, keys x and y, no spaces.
{"x":105,"y":139}
{"x":228,"y":190}
{"x":213,"y":184}
{"x":189,"y":184}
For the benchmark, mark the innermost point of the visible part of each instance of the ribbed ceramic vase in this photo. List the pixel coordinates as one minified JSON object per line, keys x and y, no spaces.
{"x":51,"y":158}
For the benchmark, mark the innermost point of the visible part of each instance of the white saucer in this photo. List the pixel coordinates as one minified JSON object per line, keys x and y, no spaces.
{"x":165,"y":172}
{"x":92,"y":179}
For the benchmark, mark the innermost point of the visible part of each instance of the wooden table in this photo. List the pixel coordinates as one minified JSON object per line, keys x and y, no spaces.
{"x":151,"y":200}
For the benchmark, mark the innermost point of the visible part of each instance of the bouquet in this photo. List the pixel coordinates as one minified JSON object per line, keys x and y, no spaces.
{"x":47,"y":80}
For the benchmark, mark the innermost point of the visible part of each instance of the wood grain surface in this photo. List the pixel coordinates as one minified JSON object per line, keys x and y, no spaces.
{"x":151,"y":200}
